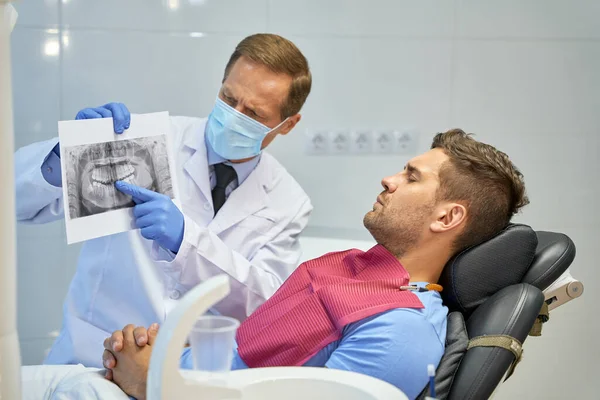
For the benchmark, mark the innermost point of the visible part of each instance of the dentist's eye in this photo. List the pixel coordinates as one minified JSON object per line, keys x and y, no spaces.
{"x":253,"y":114}
{"x":229,"y":100}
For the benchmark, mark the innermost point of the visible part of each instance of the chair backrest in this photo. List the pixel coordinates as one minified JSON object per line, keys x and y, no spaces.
{"x":497,"y":288}
{"x":511,"y":313}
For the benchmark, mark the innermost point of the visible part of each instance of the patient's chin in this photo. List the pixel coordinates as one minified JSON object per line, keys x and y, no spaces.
{"x":368,"y":219}
{"x":372,"y":222}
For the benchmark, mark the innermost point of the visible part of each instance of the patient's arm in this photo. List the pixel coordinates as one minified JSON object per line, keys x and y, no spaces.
{"x":394,"y":346}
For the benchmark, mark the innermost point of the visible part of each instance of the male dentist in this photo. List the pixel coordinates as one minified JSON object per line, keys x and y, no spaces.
{"x":242,"y":212}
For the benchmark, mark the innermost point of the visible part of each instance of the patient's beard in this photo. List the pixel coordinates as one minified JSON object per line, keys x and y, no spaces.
{"x":399,"y":231}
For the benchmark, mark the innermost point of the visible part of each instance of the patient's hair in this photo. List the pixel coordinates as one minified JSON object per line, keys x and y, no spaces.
{"x":280,"y":56}
{"x":484,"y":180}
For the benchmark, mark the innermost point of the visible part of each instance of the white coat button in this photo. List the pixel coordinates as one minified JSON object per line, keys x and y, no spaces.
{"x":175,"y":294}
{"x":207,"y":206}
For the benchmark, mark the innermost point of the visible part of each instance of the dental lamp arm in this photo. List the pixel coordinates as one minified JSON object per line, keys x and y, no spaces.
{"x":204,"y":255}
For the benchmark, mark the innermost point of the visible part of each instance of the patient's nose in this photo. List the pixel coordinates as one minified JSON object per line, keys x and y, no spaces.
{"x":388,"y":184}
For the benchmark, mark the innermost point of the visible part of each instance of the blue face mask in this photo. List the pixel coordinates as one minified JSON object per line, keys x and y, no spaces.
{"x":233,"y":135}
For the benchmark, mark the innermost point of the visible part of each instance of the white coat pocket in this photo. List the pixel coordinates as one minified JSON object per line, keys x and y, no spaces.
{"x":263,"y":222}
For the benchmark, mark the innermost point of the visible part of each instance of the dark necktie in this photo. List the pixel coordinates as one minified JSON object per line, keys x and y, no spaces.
{"x":224,"y":174}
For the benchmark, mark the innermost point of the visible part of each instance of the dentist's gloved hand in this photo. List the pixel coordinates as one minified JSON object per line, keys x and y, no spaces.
{"x":156,"y":215}
{"x":118,"y":111}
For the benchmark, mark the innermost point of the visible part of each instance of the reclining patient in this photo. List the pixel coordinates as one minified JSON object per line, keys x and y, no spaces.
{"x":378,"y":312}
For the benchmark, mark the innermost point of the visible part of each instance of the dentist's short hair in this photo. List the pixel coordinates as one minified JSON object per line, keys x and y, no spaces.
{"x":280,"y":56}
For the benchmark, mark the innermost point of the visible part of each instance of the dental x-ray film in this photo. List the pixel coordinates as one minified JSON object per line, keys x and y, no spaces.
{"x":93,"y":158}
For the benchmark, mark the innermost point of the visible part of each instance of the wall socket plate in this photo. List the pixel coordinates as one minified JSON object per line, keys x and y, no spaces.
{"x":384,"y":141}
{"x":406,"y":142}
{"x":317,"y":143}
{"x":361,"y":142}
{"x":339,"y":142}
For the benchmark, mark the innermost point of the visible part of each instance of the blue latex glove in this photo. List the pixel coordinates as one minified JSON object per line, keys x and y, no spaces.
{"x":156,"y":215}
{"x":118,"y":111}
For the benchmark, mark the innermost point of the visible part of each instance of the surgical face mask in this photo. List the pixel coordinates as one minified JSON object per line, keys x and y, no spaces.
{"x":233,"y":135}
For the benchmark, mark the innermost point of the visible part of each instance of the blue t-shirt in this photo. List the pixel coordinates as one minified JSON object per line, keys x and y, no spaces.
{"x":395,"y":346}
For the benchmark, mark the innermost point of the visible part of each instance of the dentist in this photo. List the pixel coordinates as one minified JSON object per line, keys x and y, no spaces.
{"x":242,"y":212}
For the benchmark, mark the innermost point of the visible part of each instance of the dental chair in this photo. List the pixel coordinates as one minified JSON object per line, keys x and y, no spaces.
{"x":498,"y":293}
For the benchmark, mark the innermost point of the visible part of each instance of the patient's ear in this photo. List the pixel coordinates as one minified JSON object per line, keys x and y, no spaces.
{"x":449,"y":216}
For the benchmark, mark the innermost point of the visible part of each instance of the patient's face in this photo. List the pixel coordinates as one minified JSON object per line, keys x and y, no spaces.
{"x":405,"y":208}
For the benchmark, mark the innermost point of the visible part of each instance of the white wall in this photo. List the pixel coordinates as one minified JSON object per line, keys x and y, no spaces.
{"x":521,"y":74}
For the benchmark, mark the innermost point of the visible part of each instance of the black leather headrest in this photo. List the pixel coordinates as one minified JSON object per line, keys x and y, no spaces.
{"x":554,"y":254}
{"x":475,"y":274}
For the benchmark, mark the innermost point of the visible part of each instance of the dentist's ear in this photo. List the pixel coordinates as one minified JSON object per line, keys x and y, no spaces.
{"x":288,"y":125}
{"x":449,"y":217}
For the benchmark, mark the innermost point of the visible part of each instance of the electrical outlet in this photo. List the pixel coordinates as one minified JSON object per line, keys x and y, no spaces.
{"x":339,"y":142}
{"x":361,"y":142}
{"x":317,"y":143}
{"x":406,"y":141}
{"x":384,"y":142}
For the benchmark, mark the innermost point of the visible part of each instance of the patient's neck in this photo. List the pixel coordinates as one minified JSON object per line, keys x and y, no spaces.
{"x":424,"y":263}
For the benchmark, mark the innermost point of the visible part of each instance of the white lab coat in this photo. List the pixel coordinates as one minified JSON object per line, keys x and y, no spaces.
{"x":253,"y":239}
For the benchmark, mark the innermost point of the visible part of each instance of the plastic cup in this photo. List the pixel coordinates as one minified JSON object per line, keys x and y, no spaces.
{"x":211,"y":341}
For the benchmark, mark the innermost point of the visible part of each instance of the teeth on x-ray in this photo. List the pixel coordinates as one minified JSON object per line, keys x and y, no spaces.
{"x":109,"y":174}
{"x":93,"y":169}
{"x":129,"y":179}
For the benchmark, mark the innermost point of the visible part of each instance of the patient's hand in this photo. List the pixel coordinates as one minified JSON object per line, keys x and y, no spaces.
{"x":127,"y":358}
{"x":115,"y":342}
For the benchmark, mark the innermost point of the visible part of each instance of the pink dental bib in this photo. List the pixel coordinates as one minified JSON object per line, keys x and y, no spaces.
{"x":317,"y":301}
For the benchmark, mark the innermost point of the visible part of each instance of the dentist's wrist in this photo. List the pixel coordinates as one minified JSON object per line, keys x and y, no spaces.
{"x":177,"y":242}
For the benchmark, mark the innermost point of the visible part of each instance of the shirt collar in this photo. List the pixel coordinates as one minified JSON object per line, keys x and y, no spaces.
{"x":242,"y":170}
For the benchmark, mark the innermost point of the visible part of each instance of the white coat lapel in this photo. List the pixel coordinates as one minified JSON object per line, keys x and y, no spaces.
{"x":246,"y":200}
{"x":197,"y":165}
